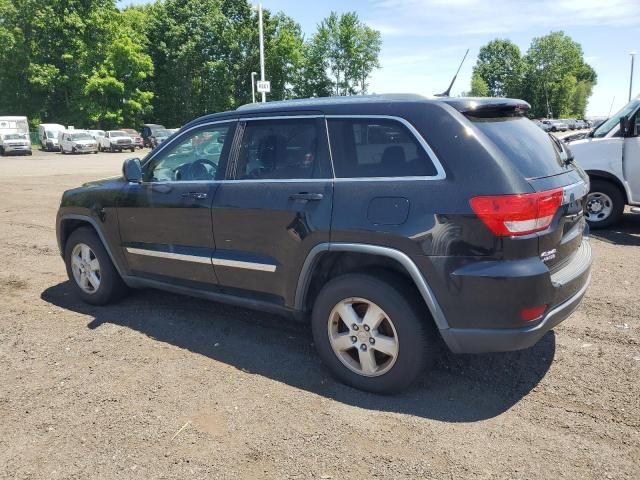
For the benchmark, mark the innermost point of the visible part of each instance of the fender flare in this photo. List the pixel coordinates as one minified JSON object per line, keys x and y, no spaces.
{"x":610,"y":177}
{"x":96,"y":227}
{"x":403,"y":259}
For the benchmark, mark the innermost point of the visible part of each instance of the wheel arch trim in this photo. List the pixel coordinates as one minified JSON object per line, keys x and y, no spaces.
{"x":96,"y":227}
{"x":403,"y":259}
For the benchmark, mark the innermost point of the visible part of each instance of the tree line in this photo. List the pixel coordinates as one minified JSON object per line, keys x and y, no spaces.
{"x":552,"y":75}
{"x":90,"y":64}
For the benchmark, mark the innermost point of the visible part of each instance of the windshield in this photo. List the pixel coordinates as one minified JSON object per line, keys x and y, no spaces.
{"x":119,"y":134}
{"x":610,"y":124}
{"x":528,"y":147}
{"x":161,"y":132}
{"x":52,"y":134}
{"x":15,"y":136}
{"x":81,"y":136}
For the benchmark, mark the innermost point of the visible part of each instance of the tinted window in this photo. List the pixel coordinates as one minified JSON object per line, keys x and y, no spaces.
{"x":199,"y":155}
{"x":529,"y":148}
{"x":376,"y":148}
{"x":279,"y":149}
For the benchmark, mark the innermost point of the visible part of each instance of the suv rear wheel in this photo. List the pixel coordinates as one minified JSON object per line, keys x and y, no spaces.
{"x":370,"y":335}
{"x":90,"y":270}
{"x":604,"y":205}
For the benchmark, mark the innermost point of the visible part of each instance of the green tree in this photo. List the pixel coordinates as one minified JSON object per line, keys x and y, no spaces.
{"x":501,"y":68}
{"x":557,"y":75}
{"x":479,"y":87}
{"x":348,"y":50}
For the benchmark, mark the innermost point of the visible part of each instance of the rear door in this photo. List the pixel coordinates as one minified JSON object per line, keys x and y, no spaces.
{"x":165,"y":221}
{"x":274,"y":207}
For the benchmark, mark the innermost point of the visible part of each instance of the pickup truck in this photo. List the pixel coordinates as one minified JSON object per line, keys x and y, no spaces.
{"x":610,"y":154}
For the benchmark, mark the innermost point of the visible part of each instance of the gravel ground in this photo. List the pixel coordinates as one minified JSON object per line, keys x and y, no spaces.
{"x":164,"y":386}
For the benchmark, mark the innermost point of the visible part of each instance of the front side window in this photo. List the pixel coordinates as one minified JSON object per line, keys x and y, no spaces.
{"x":199,"y":155}
{"x":373,"y":147}
{"x":282,"y":149}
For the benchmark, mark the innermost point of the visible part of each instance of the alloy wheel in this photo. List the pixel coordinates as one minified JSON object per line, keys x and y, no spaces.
{"x":363,"y":337}
{"x":86,"y":268}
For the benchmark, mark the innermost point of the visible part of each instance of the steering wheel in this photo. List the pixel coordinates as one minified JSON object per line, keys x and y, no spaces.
{"x":198,"y":170}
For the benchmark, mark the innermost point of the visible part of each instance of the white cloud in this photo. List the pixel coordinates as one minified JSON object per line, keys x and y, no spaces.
{"x":476,"y":17}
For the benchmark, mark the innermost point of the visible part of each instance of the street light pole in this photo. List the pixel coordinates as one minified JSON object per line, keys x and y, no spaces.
{"x":253,"y":87}
{"x":261,"y":49}
{"x":633,"y":54}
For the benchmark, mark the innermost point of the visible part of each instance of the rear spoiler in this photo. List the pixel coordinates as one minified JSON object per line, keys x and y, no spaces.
{"x":482,"y":107}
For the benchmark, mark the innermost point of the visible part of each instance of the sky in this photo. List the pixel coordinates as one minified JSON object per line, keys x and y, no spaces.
{"x":424,"y":40}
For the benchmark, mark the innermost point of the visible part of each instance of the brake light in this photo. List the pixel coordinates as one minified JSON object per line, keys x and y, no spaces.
{"x":520,"y":214}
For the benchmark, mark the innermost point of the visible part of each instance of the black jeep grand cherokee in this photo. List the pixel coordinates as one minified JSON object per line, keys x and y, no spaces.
{"x":388,"y":221}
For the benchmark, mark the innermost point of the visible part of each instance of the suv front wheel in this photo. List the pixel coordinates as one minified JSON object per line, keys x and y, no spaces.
{"x":370,"y":335}
{"x":90,"y":270}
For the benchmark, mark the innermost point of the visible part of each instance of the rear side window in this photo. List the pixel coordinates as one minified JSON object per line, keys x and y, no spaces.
{"x":282,"y":149}
{"x":527,"y":146}
{"x":372,"y":147}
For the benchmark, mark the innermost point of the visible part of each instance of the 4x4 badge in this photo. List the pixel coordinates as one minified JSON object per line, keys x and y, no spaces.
{"x":548,"y":255}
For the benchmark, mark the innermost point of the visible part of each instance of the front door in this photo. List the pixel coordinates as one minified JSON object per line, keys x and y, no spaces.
{"x":631,"y":159}
{"x":165,"y":221}
{"x":274,"y":208}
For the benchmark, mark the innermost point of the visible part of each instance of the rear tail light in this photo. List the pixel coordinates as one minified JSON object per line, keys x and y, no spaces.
{"x":533,"y":313}
{"x":520,"y":214}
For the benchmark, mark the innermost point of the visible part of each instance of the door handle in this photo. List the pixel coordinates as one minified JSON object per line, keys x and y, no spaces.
{"x":195,"y":195}
{"x":306,"y":196}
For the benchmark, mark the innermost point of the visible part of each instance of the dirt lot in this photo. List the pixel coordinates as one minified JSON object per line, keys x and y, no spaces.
{"x":163,"y":386}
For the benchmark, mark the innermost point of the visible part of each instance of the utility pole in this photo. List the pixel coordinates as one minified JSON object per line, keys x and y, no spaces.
{"x":261,"y":49}
{"x":633,"y":54}
{"x":253,"y":87}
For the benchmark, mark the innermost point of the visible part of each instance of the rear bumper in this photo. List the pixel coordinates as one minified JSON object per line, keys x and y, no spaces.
{"x":468,"y":340}
{"x":563,"y":290}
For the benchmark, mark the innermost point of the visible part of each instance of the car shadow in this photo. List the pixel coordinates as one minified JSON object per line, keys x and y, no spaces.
{"x":461,"y":388}
{"x":626,"y":232}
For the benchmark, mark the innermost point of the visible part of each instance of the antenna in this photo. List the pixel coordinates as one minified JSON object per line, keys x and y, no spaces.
{"x":447,"y":92}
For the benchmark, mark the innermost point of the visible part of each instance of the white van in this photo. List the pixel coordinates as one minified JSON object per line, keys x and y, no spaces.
{"x":48,"y":133}
{"x":9,"y":127}
{"x":610,"y":154}
{"x":77,"y":141}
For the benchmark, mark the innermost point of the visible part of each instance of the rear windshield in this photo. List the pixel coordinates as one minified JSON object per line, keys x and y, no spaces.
{"x":525,"y":144}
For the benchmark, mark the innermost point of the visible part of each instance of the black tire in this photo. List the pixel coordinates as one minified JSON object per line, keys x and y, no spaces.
{"x":111,"y":286}
{"x":617,"y":200}
{"x":413,"y":325}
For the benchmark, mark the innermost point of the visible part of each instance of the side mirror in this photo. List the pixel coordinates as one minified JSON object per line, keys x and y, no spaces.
{"x":625,"y":127}
{"x":132,"y":170}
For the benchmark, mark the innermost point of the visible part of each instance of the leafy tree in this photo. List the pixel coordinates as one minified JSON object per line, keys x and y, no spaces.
{"x":557,"y":74}
{"x":479,"y":87}
{"x":348,"y":50}
{"x":501,"y":68}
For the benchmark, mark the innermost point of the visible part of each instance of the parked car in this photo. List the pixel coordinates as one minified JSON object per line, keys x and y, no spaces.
{"x":116,"y":141}
{"x":154,"y":134}
{"x":96,"y":134}
{"x":383,"y":246}
{"x":77,"y":141}
{"x":581,"y":124}
{"x":571,"y":123}
{"x":136,"y":138}
{"x":48,"y":133}
{"x":15,"y":143}
{"x":544,"y":126}
{"x":556,"y":125}
{"x":610,"y":154}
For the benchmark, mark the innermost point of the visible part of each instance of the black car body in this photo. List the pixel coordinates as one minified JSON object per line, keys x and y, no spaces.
{"x":461,"y":204}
